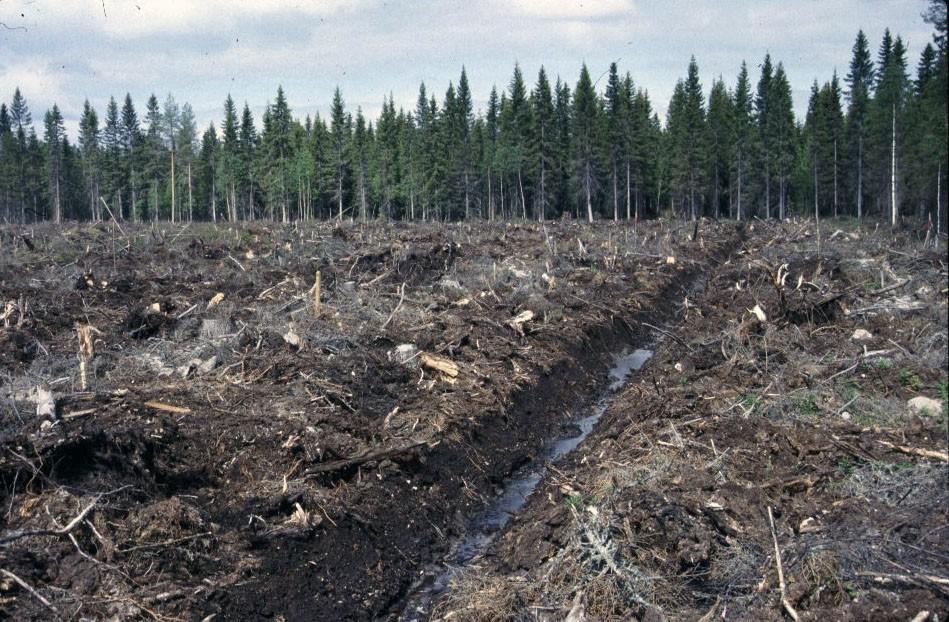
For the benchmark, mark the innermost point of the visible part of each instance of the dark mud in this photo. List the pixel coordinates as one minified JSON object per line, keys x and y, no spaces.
{"x":663,"y":511}
{"x":246,"y":460}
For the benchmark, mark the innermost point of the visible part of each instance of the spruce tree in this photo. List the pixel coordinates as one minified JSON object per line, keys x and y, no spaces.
{"x":859,"y":80}
{"x":586,"y":118}
{"x":743,"y":137}
{"x":720,"y":131}
{"x":89,"y":150}
{"x":54,"y":133}
{"x":542,"y":147}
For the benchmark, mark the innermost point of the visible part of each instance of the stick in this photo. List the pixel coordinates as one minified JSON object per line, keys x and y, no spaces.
{"x":316,"y":295}
{"x":668,"y":334}
{"x":53,"y":532}
{"x":397,"y":307}
{"x":229,"y":256}
{"x":168,"y":407}
{"x":917,"y":451}
{"x":113,"y":217}
{"x":777,"y":562}
{"x":26,"y":586}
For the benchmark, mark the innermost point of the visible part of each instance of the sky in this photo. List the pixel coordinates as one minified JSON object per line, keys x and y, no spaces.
{"x":66,"y":51}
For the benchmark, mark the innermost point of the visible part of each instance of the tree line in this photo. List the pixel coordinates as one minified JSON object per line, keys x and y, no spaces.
{"x":871,"y":145}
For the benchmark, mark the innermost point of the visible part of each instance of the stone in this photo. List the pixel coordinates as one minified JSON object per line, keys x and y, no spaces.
{"x":861,"y":335}
{"x":921,"y":405}
{"x":404,"y":354}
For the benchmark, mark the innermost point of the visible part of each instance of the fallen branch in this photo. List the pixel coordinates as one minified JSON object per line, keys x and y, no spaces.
{"x":397,"y":307}
{"x":445,"y":366}
{"x":367,"y":456}
{"x":168,"y":407}
{"x":917,"y":451}
{"x":17,"y":535}
{"x":670,"y":335}
{"x":26,"y":586}
{"x":777,"y":562}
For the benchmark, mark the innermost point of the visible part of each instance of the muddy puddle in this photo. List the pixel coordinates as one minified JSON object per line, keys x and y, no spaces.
{"x":488,"y":524}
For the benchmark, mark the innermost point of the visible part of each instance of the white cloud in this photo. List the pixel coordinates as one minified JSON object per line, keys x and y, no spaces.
{"x":137,"y":18}
{"x":567,"y":9}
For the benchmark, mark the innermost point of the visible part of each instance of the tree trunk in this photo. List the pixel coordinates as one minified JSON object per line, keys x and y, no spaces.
{"x":894,"y":208}
{"x":615,"y":197}
{"x":767,"y":191}
{"x":836,"y":212}
{"x":860,"y":177}
{"x":587,"y":182}
{"x":190,"y":196}
{"x":172,"y":185}
{"x":628,"y":202}
{"x":738,"y":206}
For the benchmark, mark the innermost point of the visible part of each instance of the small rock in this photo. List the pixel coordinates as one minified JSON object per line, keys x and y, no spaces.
{"x":758,"y":312}
{"x":861,"y":335}
{"x":404,"y":354}
{"x":45,"y":404}
{"x":845,"y":416}
{"x":293,"y":338}
{"x":451,"y":287}
{"x":924,"y":405}
{"x":924,"y":292}
{"x":208,"y":365}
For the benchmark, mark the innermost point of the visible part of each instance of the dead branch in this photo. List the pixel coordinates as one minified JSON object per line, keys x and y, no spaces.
{"x":367,"y":456}
{"x":26,"y":586}
{"x":17,"y":535}
{"x":917,"y":451}
{"x":397,"y":307}
{"x":777,"y":562}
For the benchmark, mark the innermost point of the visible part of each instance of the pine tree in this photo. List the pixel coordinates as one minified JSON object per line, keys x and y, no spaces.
{"x":171,"y":121}
{"x":89,"y":150}
{"x":465,"y":122}
{"x":112,"y":161}
{"x":695,"y":149}
{"x":154,"y":155}
{"x":247,"y":148}
{"x":22,"y":125}
{"x":764,"y":140}
{"x":586,"y":113}
{"x":782,"y":134}
{"x":542,"y":147}
{"x":187,"y":137}
{"x":489,"y":160}
{"x":229,"y":160}
{"x":721,"y":116}
{"x":8,"y":172}
{"x":360,"y":163}
{"x":614,"y":120}
{"x":563,"y":129}
{"x":339,"y":129}
{"x":208,"y":171}
{"x":860,"y":80}
{"x":743,"y":136}
{"x":53,"y":136}
{"x":886,"y":122}
{"x":130,"y":142}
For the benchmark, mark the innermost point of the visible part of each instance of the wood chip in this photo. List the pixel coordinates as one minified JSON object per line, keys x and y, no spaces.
{"x":917,"y":451}
{"x":167,"y":407}
{"x":443,"y":365}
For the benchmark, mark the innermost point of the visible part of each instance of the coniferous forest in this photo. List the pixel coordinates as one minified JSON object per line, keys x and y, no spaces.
{"x":872,"y":145}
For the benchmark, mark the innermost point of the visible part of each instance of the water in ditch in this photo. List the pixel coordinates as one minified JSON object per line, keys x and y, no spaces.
{"x":518,"y":488}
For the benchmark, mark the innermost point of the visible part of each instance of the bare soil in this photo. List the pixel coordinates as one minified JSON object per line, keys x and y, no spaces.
{"x":745,"y":435}
{"x":238,"y":456}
